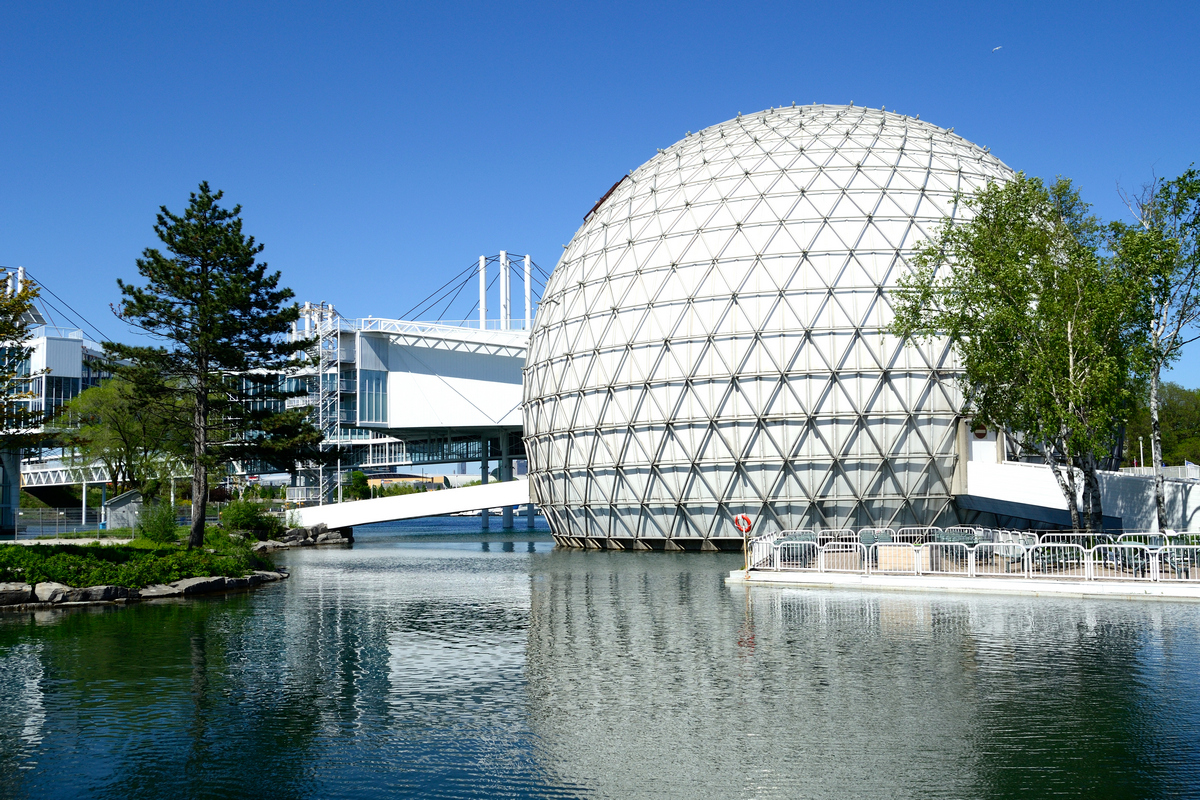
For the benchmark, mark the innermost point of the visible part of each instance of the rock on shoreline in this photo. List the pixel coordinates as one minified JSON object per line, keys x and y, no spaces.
{"x":22,"y":596}
{"x":308,"y":537}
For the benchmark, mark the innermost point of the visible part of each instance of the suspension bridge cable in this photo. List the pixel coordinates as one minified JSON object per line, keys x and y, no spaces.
{"x":436,"y":291}
{"x":432,"y":301}
{"x":88,"y":323}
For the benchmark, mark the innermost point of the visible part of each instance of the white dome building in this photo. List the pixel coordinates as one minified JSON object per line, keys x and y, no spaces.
{"x":710,"y":343}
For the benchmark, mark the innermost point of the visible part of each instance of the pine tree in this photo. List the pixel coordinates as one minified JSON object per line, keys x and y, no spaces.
{"x":222,"y":320}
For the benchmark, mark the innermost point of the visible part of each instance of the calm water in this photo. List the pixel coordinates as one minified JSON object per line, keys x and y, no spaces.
{"x":426,"y":662}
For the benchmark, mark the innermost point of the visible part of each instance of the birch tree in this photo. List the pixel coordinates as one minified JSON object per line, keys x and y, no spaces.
{"x":1164,"y":244}
{"x":1048,"y":332}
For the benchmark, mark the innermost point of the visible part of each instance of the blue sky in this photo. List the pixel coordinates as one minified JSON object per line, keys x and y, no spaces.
{"x":378,"y":149}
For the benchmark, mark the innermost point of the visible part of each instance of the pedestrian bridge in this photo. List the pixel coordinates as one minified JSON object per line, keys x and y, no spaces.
{"x":420,"y":504}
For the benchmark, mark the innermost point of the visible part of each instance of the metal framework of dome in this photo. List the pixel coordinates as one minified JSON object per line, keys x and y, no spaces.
{"x":710,"y":343}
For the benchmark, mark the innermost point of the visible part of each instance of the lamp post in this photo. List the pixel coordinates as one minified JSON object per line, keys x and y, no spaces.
{"x":1141,"y":454}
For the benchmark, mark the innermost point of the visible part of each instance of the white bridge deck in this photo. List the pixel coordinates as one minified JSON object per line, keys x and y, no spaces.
{"x":420,"y":504}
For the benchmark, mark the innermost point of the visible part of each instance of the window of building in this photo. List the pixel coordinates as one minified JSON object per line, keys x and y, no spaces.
{"x":372,"y":393}
{"x":58,"y":391}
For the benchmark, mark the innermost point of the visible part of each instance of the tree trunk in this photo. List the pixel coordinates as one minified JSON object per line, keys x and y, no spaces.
{"x":1094,"y":506}
{"x":1160,"y":490}
{"x":1085,"y":510}
{"x":199,"y":467}
{"x":1065,"y":483}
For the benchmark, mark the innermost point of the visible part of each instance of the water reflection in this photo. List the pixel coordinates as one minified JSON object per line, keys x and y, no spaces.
{"x":647,"y":661}
{"x":477,"y":666}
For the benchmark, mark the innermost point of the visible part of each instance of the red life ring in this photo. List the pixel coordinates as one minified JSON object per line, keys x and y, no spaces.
{"x":742,"y":523}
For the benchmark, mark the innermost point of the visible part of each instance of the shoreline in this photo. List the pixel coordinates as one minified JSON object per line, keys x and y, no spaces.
{"x":62,"y":596}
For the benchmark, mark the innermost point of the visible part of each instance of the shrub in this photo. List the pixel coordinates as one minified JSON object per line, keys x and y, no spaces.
{"x":157,"y":523}
{"x":131,"y":565}
{"x":242,"y":515}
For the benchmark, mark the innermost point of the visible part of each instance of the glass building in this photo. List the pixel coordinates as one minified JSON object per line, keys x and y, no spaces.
{"x":710,"y":343}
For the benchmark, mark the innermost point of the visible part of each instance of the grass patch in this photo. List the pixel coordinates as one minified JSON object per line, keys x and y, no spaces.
{"x":136,"y":565}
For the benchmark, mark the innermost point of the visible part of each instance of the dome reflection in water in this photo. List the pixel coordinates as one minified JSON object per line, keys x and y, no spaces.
{"x":430,"y":662}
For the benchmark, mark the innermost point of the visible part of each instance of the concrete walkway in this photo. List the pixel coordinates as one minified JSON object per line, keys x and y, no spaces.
{"x":1126,"y":590}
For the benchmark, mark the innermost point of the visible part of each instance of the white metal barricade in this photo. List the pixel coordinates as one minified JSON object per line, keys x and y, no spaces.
{"x":1123,"y":562}
{"x":796,"y":555}
{"x":999,"y":560}
{"x":1178,"y":562}
{"x":894,"y":557}
{"x":843,"y":557}
{"x":1059,"y":556}
{"x":1060,"y":561}
{"x":916,"y":535}
{"x":762,"y":550}
{"x":1023,"y":538}
{"x":968,"y":534}
{"x":1084,"y":540}
{"x":1151,"y":540}
{"x":827,"y":535}
{"x":945,"y":558}
{"x":869,"y":536}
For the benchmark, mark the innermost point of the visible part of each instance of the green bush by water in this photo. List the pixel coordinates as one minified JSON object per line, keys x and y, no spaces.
{"x":135,"y":565}
{"x":242,"y":515}
{"x":157,"y":523}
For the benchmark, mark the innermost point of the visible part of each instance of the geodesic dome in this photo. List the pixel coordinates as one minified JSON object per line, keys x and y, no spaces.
{"x":710,"y":342}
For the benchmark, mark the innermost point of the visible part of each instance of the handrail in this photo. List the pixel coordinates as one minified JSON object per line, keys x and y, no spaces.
{"x":1105,"y":561}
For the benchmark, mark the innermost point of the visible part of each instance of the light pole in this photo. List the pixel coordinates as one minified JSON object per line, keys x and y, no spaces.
{"x":1141,"y":453}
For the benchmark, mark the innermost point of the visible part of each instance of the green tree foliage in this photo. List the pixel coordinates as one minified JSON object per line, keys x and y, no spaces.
{"x":357,"y":487}
{"x":138,"y":443}
{"x":1164,"y":245}
{"x":244,"y":515}
{"x":157,"y":523}
{"x":221,"y":320}
{"x":398,"y":489}
{"x":1050,"y":334}
{"x":1179,"y":416}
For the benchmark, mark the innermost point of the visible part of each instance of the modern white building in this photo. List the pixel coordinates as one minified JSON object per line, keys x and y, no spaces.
{"x":61,"y":363}
{"x":390,"y":392}
{"x":711,"y":343}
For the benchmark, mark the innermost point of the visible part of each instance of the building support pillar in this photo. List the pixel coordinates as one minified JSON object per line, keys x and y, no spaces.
{"x":528,"y":294}
{"x":485,"y":514}
{"x":506,"y":469}
{"x":10,"y":491}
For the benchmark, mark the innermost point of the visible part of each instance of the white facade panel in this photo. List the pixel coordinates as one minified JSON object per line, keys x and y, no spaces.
{"x":710,"y":342}
{"x":435,"y":388}
{"x":63,"y":357}
{"x":373,"y":352}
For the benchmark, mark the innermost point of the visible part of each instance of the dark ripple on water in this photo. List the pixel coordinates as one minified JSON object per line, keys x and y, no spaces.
{"x":422,"y":664}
